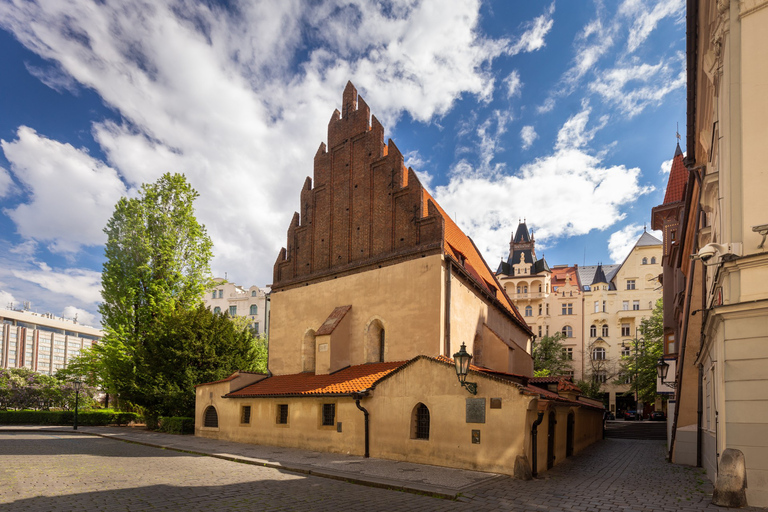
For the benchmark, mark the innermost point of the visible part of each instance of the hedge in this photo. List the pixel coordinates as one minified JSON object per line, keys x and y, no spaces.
{"x":177,"y":425}
{"x":94,"y":418}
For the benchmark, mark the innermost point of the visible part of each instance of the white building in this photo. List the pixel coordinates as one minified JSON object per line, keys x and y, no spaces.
{"x":42,"y":343}
{"x":238,"y":301}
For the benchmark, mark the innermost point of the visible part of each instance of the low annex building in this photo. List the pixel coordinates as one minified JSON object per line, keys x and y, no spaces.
{"x":375,"y":290}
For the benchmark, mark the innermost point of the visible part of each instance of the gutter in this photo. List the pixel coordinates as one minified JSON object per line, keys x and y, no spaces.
{"x":534,"y":447}
{"x":357,"y":397}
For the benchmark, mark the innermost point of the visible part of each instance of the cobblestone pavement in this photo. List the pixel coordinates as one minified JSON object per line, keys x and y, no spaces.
{"x":58,"y":472}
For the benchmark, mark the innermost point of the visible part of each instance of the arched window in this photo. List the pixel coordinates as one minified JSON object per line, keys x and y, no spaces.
{"x":211,"y":417}
{"x":653,"y":260}
{"x":375,"y":342}
{"x":645,"y":261}
{"x":568,"y":331}
{"x":528,"y":311}
{"x":593,"y":331}
{"x":525,"y":289}
{"x":308,"y":352}
{"x":253,"y":293}
{"x":598,"y":354}
{"x":605,"y":329}
{"x":254,"y":309}
{"x":519,"y":289}
{"x":217,"y":310}
{"x":420,"y":422}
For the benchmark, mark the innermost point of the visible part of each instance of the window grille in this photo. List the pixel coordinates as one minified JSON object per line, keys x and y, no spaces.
{"x":422,"y":422}
{"x":329,"y":414}
{"x":245,"y":414}
{"x":282,"y":414}
{"x":211,"y":417}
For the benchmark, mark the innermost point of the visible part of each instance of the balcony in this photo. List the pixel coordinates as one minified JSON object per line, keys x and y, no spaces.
{"x":521,"y":296}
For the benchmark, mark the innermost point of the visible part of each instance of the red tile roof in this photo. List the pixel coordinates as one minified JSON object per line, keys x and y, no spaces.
{"x":678,"y":177}
{"x":352,"y":379}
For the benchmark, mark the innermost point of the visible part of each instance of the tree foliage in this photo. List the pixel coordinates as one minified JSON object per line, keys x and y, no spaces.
{"x":550,"y":357}
{"x":21,"y":388}
{"x":649,"y":351}
{"x":160,"y":340}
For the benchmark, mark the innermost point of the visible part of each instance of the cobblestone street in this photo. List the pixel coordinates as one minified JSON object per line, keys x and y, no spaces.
{"x":57,"y":472}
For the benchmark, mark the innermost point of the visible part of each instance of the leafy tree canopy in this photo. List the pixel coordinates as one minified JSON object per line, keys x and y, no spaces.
{"x":650,"y":349}
{"x":550,"y":357}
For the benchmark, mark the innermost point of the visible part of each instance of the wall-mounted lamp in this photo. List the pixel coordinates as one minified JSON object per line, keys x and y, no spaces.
{"x":462,"y":359}
{"x":662,"y":368}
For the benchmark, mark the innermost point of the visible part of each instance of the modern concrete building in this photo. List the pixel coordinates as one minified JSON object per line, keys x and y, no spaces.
{"x":238,"y":301}
{"x":42,"y":343}
{"x":375,"y":292}
{"x":718,"y":332}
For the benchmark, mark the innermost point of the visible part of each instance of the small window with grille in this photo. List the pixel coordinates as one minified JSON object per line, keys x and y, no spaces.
{"x":282,"y":414}
{"x":245,"y":414}
{"x":420,"y":422}
{"x":210,"y":417}
{"x":329,"y":415}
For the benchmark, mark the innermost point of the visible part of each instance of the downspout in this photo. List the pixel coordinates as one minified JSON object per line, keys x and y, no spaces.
{"x":447,"y":326}
{"x":534,"y":447}
{"x":357,"y":397}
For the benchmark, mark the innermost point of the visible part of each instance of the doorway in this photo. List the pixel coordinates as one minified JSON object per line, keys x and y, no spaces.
{"x":569,"y":435}
{"x":551,"y":441}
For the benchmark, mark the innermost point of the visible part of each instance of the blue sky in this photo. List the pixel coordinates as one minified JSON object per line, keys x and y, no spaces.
{"x":563,"y":113}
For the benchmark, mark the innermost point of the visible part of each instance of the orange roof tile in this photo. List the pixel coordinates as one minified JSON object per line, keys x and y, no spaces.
{"x":678,"y":177}
{"x":352,"y":379}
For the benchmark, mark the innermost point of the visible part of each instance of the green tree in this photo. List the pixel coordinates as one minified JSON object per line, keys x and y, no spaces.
{"x":157,"y":264}
{"x":550,"y":357}
{"x":650,"y":349}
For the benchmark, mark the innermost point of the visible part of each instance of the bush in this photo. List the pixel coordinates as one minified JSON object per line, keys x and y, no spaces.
{"x":92,"y":418}
{"x":177,"y":425}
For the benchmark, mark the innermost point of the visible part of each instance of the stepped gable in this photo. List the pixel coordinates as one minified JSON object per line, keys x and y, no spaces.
{"x":363,"y":208}
{"x":367,"y":209}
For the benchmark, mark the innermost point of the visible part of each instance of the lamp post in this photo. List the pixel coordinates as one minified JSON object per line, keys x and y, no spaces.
{"x":77,"y":383}
{"x":662,"y":369}
{"x":462,"y":359}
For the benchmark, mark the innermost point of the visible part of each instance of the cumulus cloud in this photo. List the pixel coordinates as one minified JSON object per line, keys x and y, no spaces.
{"x":82,"y":316}
{"x":528,"y":135}
{"x":622,"y":241}
{"x":7,"y":300}
{"x":6,"y":183}
{"x":70,"y":194}
{"x":83,"y":285}
{"x":215,"y":93}
{"x":569,"y":192}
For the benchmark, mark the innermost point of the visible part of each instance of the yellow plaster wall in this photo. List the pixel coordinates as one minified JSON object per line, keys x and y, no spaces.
{"x":587,"y":430}
{"x":406,"y":297}
{"x":469,"y":313}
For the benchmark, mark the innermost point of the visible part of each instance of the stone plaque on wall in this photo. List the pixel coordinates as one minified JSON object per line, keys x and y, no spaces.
{"x":475,"y":410}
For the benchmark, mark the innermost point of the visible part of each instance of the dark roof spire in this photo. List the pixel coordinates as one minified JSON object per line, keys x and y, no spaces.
{"x":521,"y":235}
{"x":599,"y":275}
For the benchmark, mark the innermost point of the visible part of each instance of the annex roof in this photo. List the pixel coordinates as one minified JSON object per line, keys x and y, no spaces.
{"x":333,"y":320}
{"x":349,"y":380}
{"x":587,"y":273}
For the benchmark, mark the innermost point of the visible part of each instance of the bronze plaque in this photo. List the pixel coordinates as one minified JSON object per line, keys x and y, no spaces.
{"x":475,"y":410}
{"x":475,"y":437}
{"x":495,"y":403}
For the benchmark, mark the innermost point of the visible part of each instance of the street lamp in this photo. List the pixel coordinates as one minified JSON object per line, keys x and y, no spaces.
{"x":462,"y":359}
{"x":662,"y":368}
{"x":77,"y":383}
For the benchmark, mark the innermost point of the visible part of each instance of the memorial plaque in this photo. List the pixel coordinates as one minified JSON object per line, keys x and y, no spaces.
{"x":475,"y":437}
{"x":495,"y":403}
{"x":475,"y":410}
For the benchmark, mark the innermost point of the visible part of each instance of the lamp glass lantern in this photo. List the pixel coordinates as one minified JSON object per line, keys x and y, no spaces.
{"x":462,"y":359}
{"x":663,"y":369}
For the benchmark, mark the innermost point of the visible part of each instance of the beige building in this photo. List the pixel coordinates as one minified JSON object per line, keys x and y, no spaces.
{"x":596,"y":307}
{"x":42,"y":343}
{"x":723,"y":227}
{"x":375,"y":292}
{"x":238,"y":301}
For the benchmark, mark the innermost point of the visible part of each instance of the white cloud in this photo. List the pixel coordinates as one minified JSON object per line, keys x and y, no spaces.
{"x":6,"y":183}
{"x":633,"y":88}
{"x":567,"y":193}
{"x":214,"y":93}
{"x":533,"y":38}
{"x":82,"y":316}
{"x":71,"y":194}
{"x":574,"y":132}
{"x":666,"y":165}
{"x":83,"y":285}
{"x":513,"y":84}
{"x":528,"y":135}
{"x":415,"y":161}
{"x":622,"y":241}
{"x":7,"y":300}
{"x":644,"y":21}
{"x":53,"y":78}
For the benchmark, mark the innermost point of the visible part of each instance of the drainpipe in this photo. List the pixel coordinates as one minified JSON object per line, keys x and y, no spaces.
{"x":357,"y":397}
{"x":534,"y":447}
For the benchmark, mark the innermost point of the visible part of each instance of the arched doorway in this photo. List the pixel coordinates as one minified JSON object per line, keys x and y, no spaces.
{"x":551,"y":440}
{"x":570,"y":434}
